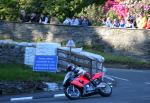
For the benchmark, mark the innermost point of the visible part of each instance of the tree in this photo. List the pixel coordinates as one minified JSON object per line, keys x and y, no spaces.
{"x":9,"y":9}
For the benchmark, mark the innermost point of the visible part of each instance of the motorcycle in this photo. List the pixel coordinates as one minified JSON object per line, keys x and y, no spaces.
{"x":79,"y":86}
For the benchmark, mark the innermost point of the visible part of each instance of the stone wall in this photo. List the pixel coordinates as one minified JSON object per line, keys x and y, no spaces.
{"x":13,"y":52}
{"x":128,"y":42}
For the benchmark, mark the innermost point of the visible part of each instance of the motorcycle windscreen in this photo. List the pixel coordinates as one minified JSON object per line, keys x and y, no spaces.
{"x":97,"y":75}
{"x":80,"y":81}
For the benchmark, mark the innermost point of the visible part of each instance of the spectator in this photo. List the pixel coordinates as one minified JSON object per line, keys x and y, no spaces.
{"x":109,"y":22}
{"x":23,"y":16}
{"x":130,"y":17}
{"x":86,"y":22}
{"x":33,"y":18}
{"x":141,"y":22}
{"x":122,"y":23}
{"x":129,"y":24}
{"x":43,"y":19}
{"x":81,"y":19}
{"x":116,"y":23}
{"x":104,"y":21}
{"x":74,"y":21}
{"x":148,"y":23}
{"x":67,"y":21}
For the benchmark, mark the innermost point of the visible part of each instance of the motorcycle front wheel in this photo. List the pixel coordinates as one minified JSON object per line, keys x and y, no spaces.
{"x":105,"y":89}
{"x":72,"y":92}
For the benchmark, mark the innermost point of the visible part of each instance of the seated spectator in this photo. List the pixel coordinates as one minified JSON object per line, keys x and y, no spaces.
{"x":129,"y":24}
{"x":67,"y":21}
{"x":104,"y":21}
{"x":33,"y":18}
{"x":81,"y":19}
{"x":141,"y":22}
{"x":23,"y":16}
{"x":122,"y":23}
{"x":130,"y":17}
{"x":86,"y":22}
{"x":109,"y":23}
{"x":74,"y":21}
{"x":148,"y":24}
{"x":43,"y":19}
{"x":116,"y":23}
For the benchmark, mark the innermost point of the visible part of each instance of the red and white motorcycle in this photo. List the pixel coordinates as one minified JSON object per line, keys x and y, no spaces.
{"x":79,"y":86}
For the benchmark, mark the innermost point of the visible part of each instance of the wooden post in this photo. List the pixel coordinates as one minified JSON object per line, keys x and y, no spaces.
{"x":96,"y":67}
{"x":70,"y":54}
{"x":91,"y":68}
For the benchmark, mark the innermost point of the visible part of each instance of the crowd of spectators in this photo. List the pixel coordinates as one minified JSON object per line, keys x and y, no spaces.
{"x":83,"y":21}
{"x":33,"y":17}
{"x":43,"y":18}
{"x":131,"y":21}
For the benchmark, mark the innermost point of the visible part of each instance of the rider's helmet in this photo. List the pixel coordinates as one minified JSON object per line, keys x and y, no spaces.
{"x":69,"y":68}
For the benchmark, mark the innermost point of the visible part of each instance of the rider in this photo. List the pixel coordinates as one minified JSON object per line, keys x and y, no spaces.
{"x":80,"y":71}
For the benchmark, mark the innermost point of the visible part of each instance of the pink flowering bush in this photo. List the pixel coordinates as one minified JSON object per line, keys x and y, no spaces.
{"x":120,"y":9}
{"x":109,"y":4}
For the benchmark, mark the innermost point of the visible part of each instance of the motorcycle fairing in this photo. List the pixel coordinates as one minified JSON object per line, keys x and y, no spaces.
{"x":80,"y":81}
{"x":97,"y":75}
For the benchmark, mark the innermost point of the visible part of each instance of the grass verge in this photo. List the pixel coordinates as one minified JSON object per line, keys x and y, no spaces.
{"x":115,"y":59}
{"x":18,"y":72}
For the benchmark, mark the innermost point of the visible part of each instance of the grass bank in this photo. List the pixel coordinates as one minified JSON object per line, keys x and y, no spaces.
{"x":123,"y":60}
{"x":18,"y":72}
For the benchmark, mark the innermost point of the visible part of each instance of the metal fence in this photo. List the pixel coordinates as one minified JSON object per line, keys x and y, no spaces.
{"x":66,"y":57}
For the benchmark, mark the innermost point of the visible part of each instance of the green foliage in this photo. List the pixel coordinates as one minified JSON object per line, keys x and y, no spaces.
{"x":94,"y":12}
{"x":38,"y":39}
{"x":11,"y":72}
{"x":2,"y":37}
{"x":94,"y":48}
{"x":9,"y":9}
{"x":112,"y":14}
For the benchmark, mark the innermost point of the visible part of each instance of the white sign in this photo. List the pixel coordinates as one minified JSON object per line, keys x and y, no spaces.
{"x":47,"y":48}
{"x":29,"y":55}
{"x":70,"y":43}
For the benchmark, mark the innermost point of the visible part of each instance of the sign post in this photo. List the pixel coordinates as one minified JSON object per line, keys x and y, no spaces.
{"x":70,"y":44}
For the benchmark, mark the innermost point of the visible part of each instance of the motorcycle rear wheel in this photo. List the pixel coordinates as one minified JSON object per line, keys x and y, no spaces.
{"x":72,"y":92}
{"x":105,"y":91}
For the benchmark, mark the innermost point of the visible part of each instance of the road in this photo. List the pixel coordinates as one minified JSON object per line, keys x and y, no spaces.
{"x":133,"y":86}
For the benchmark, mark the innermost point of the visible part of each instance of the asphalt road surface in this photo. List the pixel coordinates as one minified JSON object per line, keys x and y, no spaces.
{"x":133,"y":86}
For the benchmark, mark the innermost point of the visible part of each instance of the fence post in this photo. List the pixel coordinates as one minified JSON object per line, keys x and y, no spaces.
{"x":91,"y":68}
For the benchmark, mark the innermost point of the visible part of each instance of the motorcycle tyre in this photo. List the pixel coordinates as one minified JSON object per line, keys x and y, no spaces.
{"x":72,"y":98}
{"x":103,"y":94}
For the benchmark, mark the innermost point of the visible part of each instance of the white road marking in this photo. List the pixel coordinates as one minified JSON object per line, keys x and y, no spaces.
{"x":59,"y":95}
{"x":108,"y":77}
{"x":129,"y":70}
{"x":118,"y":78}
{"x":147,"y":83}
{"x":22,"y":98}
